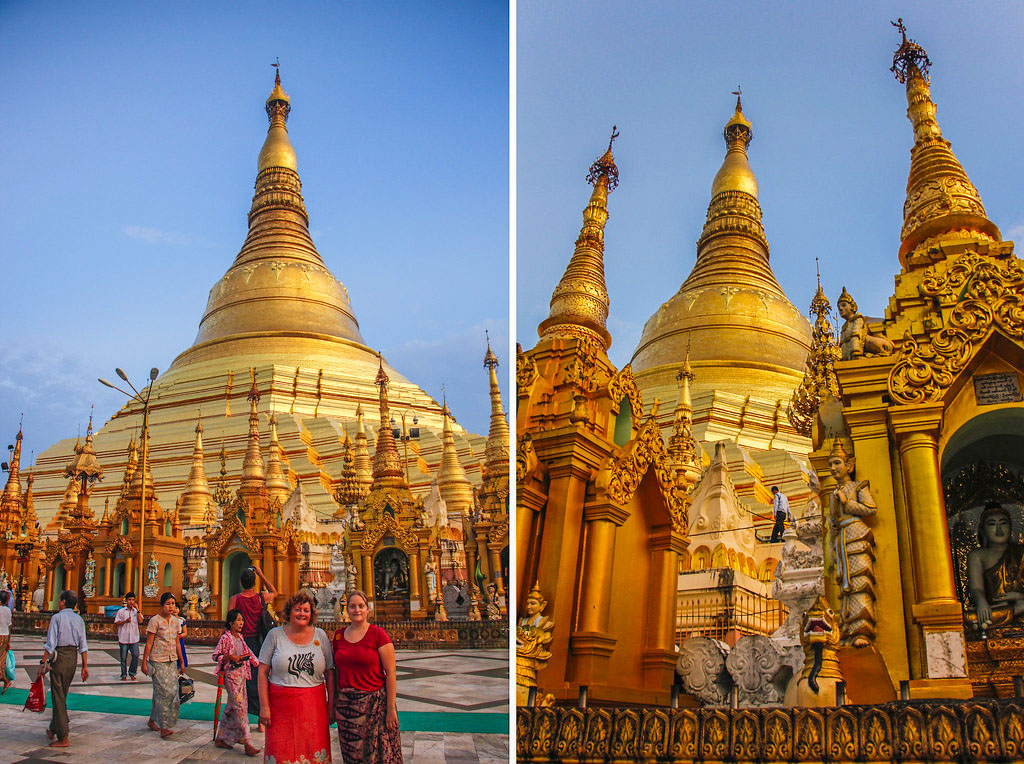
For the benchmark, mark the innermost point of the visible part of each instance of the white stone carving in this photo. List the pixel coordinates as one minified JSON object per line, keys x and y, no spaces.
{"x":756,"y":667}
{"x":701,"y":666}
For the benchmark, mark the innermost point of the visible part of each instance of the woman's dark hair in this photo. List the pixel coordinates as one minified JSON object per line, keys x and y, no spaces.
{"x":299,"y":597}
{"x":4,"y":597}
{"x":167,"y":596}
{"x":233,"y":613}
{"x":248,"y":578}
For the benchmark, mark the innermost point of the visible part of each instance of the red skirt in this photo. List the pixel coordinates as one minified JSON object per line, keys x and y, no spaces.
{"x":298,"y":731}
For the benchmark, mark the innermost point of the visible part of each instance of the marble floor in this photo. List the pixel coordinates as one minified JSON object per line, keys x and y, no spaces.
{"x":453,"y":706}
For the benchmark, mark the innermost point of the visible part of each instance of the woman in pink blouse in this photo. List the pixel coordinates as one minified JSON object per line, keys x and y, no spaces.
{"x":366,"y":698}
{"x":235,"y":662}
{"x":162,"y":650}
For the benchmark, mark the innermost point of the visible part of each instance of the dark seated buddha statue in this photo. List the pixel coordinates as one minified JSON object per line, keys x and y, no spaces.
{"x":994,"y":572}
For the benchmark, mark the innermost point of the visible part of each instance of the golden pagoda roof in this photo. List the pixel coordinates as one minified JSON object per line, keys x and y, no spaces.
{"x":743,"y":333}
{"x":940,"y":196}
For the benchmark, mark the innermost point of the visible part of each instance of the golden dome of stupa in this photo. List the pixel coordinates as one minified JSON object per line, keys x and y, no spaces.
{"x":278,"y":290}
{"x":744,"y":336}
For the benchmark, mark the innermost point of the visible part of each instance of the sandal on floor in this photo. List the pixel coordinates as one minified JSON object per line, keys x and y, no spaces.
{"x":251,"y":750}
{"x":221,"y":744}
{"x":152,"y":725}
{"x":166,"y":733}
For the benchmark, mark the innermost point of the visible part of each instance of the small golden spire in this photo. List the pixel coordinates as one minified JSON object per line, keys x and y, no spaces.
{"x":387,"y":465}
{"x":455,"y":488}
{"x":497,"y":447}
{"x":277,"y":149}
{"x":940,"y":196}
{"x":195,"y":499}
{"x":682,"y":446}
{"x":579,"y":304}
{"x":363,"y":462}
{"x":254,"y":479}
{"x":278,"y":485}
{"x":819,"y":383}
{"x":348,"y":491}
{"x":735,"y":173}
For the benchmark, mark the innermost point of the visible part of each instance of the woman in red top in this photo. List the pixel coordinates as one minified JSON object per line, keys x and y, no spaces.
{"x":366,"y":699}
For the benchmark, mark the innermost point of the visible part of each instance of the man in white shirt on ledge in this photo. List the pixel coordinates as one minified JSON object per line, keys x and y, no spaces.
{"x":780,"y":508}
{"x":65,"y":641}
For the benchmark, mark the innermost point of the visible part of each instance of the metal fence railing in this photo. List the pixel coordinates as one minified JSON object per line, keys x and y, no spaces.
{"x":726,"y":614}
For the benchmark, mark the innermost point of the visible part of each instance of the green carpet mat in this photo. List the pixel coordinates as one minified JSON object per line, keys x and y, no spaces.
{"x":414,"y":721}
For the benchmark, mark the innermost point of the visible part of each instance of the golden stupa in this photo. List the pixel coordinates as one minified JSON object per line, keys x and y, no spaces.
{"x":744,"y":336}
{"x":280,"y":311}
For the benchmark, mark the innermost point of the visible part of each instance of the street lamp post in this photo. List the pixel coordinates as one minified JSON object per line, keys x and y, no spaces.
{"x":153,"y":373}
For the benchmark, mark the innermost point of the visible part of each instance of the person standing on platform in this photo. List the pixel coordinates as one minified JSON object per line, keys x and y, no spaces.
{"x":250,"y":604}
{"x":65,"y":641}
{"x":127,"y":621}
{"x":5,"y":636}
{"x":780,"y":509}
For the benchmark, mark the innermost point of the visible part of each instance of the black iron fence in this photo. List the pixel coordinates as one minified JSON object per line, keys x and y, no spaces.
{"x":726,"y":614}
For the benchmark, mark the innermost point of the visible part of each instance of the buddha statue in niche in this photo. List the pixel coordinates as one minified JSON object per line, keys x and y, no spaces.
{"x":994,"y":572}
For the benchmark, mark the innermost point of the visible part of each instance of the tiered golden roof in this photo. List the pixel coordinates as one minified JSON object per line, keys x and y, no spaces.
{"x":940,"y":196}
{"x":579,"y":304}
{"x":496,"y":450}
{"x":196,"y":498}
{"x":744,"y":335}
{"x":348,"y":490}
{"x":387,"y":465}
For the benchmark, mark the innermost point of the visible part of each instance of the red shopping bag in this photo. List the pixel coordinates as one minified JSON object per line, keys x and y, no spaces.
{"x":36,"y":700}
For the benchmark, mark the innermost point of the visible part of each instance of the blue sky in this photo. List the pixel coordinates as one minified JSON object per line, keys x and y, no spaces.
{"x":131,"y":139}
{"x":831,"y":146}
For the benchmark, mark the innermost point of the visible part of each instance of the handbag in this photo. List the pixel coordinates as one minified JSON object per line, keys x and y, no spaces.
{"x":186,"y":689}
{"x":36,"y":700}
{"x":10,"y":668}
{"x":266,"y":622}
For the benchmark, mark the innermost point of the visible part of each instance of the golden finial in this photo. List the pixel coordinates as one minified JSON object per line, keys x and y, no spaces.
{"x":490,"y":359}
{"x":908,"y":57}
{"x":605,"y":166}
{"x":820,"y":382}
{"x":254,"y":394}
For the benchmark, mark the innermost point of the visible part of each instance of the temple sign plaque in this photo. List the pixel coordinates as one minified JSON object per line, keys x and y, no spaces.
{"x":997,"y":388}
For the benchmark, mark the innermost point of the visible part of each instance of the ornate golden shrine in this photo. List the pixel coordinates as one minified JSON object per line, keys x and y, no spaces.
{"x":601,"y":508}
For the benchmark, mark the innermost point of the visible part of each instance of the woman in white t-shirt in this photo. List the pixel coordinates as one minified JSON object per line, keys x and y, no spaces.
{"x":295,"y":661}
{"x":5,"y":637}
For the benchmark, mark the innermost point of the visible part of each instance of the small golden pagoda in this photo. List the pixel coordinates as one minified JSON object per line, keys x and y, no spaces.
{"x":601,"y":508}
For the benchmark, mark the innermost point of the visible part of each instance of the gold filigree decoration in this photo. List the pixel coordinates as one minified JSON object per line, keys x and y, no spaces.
{"x":232,"y":527}
{"x":526,"y":371}
{"x":623,"y":385}
{"x":647,"y":451}
{"x":819,"y":383}
{"x":119,"y":543}
{"x":388,"y":523}
{"x":526,"y":458}
{"x":377,"y":500}
{"x":980,"y":295}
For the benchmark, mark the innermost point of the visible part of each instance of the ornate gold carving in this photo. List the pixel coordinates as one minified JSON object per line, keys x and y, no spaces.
{"x":386,"y":523}
{"x":526,"y":371}
{"x":526,"y":458}
{"x":534,"y":633}
{"x":623,"y":385}
{"x":625,"y":734}
{"x":979,"y":294}
{"x":778,"y":735}
{"x":232,"y":527}
{"x":119,"y":543}
{"x":645,"y":451}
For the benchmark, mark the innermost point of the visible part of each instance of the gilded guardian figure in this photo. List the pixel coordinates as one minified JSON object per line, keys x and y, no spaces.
{"x":854,"y":340}
{"x":994,"y":572}
{"x":533,"y":635}
{"x":853,"y":545}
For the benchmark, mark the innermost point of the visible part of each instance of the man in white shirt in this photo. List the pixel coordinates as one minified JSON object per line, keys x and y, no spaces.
{"x":65,"y":641}
{"x":780,"y":509}
{"x":127,"y":622}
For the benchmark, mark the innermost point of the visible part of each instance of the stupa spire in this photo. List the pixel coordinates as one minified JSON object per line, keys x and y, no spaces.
{"x":253,"y":476}
{"x":387,"y":466}
{"x":579,"y":304}
{"x":361,"y":457}
{"x":682,"y":446}
{"x":940,"y":196}
{"x":496,"y":449}
{"x":277,"y":262}
{"x":456,"y":490}
{"x":196,"y":498}
{"x":819,"y":383}
{"x":348,"y":490}
{"x":277,"y":482}
{"x":11,"y":501}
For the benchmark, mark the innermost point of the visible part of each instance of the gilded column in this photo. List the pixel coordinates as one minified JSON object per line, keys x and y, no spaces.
{"x":214,"y":582}
{"x":129,"y":577}
{"x":368,"y":575}
{"x":414,"y":577}
{"x":590,"y":644}
{"x":937,"y":611}
{"x":495,"y":560}
{"x":659,"y":656}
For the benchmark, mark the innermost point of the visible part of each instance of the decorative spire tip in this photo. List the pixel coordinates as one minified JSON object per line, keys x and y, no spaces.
{"x":908,"y":57}
{"x":605,"y":166}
